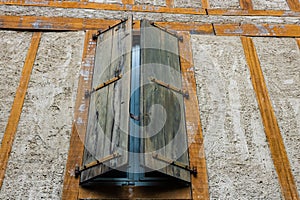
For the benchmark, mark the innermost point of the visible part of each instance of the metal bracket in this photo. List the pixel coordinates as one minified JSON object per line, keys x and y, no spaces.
{"x":78,"y":169}
{"x":102,"y":85}
{"x":180,"y":38}
{"x":192,"y":170}
{"x":175,"y":89}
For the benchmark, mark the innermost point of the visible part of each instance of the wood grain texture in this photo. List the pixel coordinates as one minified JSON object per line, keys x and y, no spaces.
{"x":272,"y":131}
{"x":167,"y":137}
{"x":246,"y":4}
{"x":170,"y":3}
{"x":108,"y":122}
{"x":284,"y":30}
{"x":200,"y":188}
{"x":16,"y":110}
{"x":71,"y":184}
{"x":205,"y":4}
{"x":105,"y":6}
{"x":294,"y":5}
{"x":298,"y":42}
{"x":53,"y":23}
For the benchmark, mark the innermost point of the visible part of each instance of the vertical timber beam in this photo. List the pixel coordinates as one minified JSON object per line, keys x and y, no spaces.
{"x":195,"y":135}
{"x":205,"y":4}
{"x":298,"y":42}
{"x":246,"y":4}
{"x":272,"y":131}
{"x":170,"y":3}
{"x":294,"y":5}
{"x":71,"y":184}
{"x":17,"y":106}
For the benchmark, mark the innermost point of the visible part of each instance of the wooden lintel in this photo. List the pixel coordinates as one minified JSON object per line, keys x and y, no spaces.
{"x":71,"y":183}
{"x":16,"y":110}
{"x":200,"y":188}
{"x":249,"y":12}
{"x":294,"y":5}
{"x":272,"y":131}
{"x":278,"y":30}
{"x":192,"y":27}
{"x":113,"y":7}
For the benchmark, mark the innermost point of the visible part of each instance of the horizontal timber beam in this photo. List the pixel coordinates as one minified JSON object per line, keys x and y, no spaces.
{"x":278,"y":30}
{"x":104,"y":6}
{"x":249,"y":12}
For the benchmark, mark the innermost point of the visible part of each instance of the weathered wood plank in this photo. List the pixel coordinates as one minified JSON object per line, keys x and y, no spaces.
{"x":16,"y":110}
{"x":71,"y":184}
{"x":272,"y":131}
{"x":200,"y":189}
{"x":107,"y":131}
{"x":287,"y":30}
{"x":167,"y":124}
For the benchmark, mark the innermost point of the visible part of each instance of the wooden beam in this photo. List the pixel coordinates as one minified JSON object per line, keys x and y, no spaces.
{"x":278,"y":30}
{"x":53,"y":23}
{"x":298,"y":42}
{"x":170,"y":3}
{"x":294,"y":5}
{"x":128,"y":2}
{"x":192,"y":27}
{"x":205,"y":4}
{"x":194,"y":129}
{"x":246,"y":4}
{"x":104,"y":6}
{"x":234,"y":12}
{"x":17,"y":106}
{"x":71,"y":184}
{"x":272,"y":131}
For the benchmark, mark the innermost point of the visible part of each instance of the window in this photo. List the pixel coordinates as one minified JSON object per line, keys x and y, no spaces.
{"x":136,"y":131}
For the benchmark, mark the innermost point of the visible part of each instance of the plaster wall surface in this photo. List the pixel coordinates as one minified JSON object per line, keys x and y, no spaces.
{"x":102,"y":14}
{"x":39,"y":153}
{"x":151,"y":2}
{"x":280,"y":62}
{"x":270,"y":5}
{"x":188,"y":3}
{"x":237,"y":154}
{"x":224,"y":4}
{"x":13,"y":51}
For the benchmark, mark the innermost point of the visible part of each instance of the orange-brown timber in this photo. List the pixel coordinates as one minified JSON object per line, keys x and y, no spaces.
{"x":246,"y":4}
{"x":103,"y":6}
{"x":298,"y":42}
{"x":286,"y":30}
{"x":195,"y":135}
{"x":272,"y":131}
{"x":71,"y":184}
{"x":17,"y":106}
{"x":294,"y":5}
{"x":53,"y":23}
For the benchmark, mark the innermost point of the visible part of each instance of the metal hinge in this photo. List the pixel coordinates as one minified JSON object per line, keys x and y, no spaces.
{"x":78,"y":169}
{"x":179,"y":37}
{"x":192,"y":170}
{"x":166,"y":85}
{"x":102,"y":85}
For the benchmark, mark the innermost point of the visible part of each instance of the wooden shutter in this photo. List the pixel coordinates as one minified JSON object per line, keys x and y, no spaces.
{"x":108,"y":119}
{"x":160,"y":69}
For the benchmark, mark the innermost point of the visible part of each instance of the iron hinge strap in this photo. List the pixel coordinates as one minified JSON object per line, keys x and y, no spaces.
{"x":95,"y":163}
{"x":180,"y":38}
{"x":192,"y":170}
{"x":104,"y":84}
{"x":173,"y":88}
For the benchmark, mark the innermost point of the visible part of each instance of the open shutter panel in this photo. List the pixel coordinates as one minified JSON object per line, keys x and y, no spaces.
{"x":162,"y":108}
{"x":108,"y":119}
